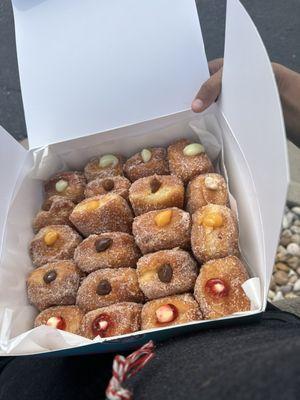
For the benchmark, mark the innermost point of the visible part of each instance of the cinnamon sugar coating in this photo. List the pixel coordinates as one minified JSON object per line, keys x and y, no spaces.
{"x":63,"y":248}
{"x":114,"y":184}
{"x":108,"y":250}
{"x":93,"y":170}
{"x":185,"y":304}
{"x":155,"y":193}
{"x":53,"y":284}
{"x":71,"y":315}
{"x":122,"y":318}
{"x":232,"y":272}
{"x":59,"y":209}
{"x":205,"y":189}
{"x":99,"y":214}
{"x":187,"y":167}
{"x":75,"y":185}
{"x":214,"y":242}
{"x":166,"y":272}
{"x":135,"y":168}
{"x":119,"y":285}
{"x":150,"y":237}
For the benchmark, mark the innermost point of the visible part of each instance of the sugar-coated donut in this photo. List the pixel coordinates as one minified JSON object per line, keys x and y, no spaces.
{"x":114,"y":320}
{"x":147,"y":162}
{"x":108,"y":286}
{"x":155,"y":193}
{"x":166,"y":272}
{"x":219,"y":290}
{"x":57,"y":212}
{"x":187,"y":160}
{"x":53,"y":284}
{"x":114,"y":184}
{"x":214,"y":233}
{"x":69,"y":184}
{"x":162,"y":229}
{"x":65,"y":318}
{"x":52,"y":243}
{"x":172,"y":310}
{"x":108,"y":250}
{"x":105,"y":166}
{"x":99,"y":214}
{"x":205,"y":189}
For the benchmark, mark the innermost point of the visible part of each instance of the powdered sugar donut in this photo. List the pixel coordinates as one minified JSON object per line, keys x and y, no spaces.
{"x":147,"y":162}
{"x":214,"y":233}
{"x":52,"y":243}
{"x":155,"y":193}
{"x":65,"y":318}
{"x":162,"y":229}
{"x":187,"y":160}
{"x":219,"y":290}
{"x":99,"y":214}
{"x":166,"y":272}
{"x":114,"y":184}
{"x":114,"y":320}
{"x":108,"y":286}
{"x":172,"y":310}
{"x":53,"y":284}
{"x":105,"y":166}
{"x":108,"y":250}
{"x":68,"y":184}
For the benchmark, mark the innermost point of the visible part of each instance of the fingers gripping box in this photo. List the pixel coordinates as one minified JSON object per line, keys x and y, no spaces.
{"x":100,"y":77}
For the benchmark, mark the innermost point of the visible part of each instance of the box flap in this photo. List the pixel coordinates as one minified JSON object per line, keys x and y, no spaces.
{"x":89,"y":66}
{"x":251,"y":105}
{"x":12,"y":156}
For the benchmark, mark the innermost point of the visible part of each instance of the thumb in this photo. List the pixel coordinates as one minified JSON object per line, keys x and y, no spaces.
{"x":208,"y":93}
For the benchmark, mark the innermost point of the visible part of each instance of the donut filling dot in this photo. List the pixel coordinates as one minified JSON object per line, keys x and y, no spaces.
{"x":103,"y":288}
{"x":211,"y":183}
{"x":217,"y":288}
{"x":50,"y":238}
{"x":166,"y":313}
{"x":193,"y":149}
{"x":50,"y":276}
{"x":103,"y":244}
{"x":100,"y":324}
{"x":155,"y":185}
{"x":213,"y":220}
{"x":165,"y":273}
{"x":56,"y":322}
{"x":108,"y":160}
{"x":163,"y":218}
{"x":108,"y":185}
{"x":61,"y":185}
{"x":146,"y":155}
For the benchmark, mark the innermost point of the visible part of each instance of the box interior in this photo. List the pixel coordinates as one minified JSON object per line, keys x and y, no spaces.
{"x":42,"y":163}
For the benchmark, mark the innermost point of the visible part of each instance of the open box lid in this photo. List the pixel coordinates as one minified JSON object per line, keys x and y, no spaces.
{"x":12,"y":156}
{"x":90,"y":66}
{"x":251,"y":105}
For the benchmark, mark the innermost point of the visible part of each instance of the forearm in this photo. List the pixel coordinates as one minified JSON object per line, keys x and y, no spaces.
{"x":288,"y":83}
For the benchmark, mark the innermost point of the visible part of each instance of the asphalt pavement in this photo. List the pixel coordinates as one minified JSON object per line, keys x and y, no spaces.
{"x":278,"y":22}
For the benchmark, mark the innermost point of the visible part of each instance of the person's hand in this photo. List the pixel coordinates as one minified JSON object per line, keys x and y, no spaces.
{"x":288,"y":83}
{"x":211,"y":89}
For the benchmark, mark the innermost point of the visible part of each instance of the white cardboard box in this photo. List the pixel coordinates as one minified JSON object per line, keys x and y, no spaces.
{"x":129,"y":69}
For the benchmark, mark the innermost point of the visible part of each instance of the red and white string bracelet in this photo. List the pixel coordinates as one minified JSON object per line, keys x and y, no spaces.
{"x":124,"y":368}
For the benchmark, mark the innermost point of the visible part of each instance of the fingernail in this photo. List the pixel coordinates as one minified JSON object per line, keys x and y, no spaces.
{"x":197,"y":105}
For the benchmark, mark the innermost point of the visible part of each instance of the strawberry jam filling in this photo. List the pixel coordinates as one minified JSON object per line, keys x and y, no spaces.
{"x":57,"y":322}
{"x":166,"y":313}
{"x":100,"y":324}
{"x":216,"y":287}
